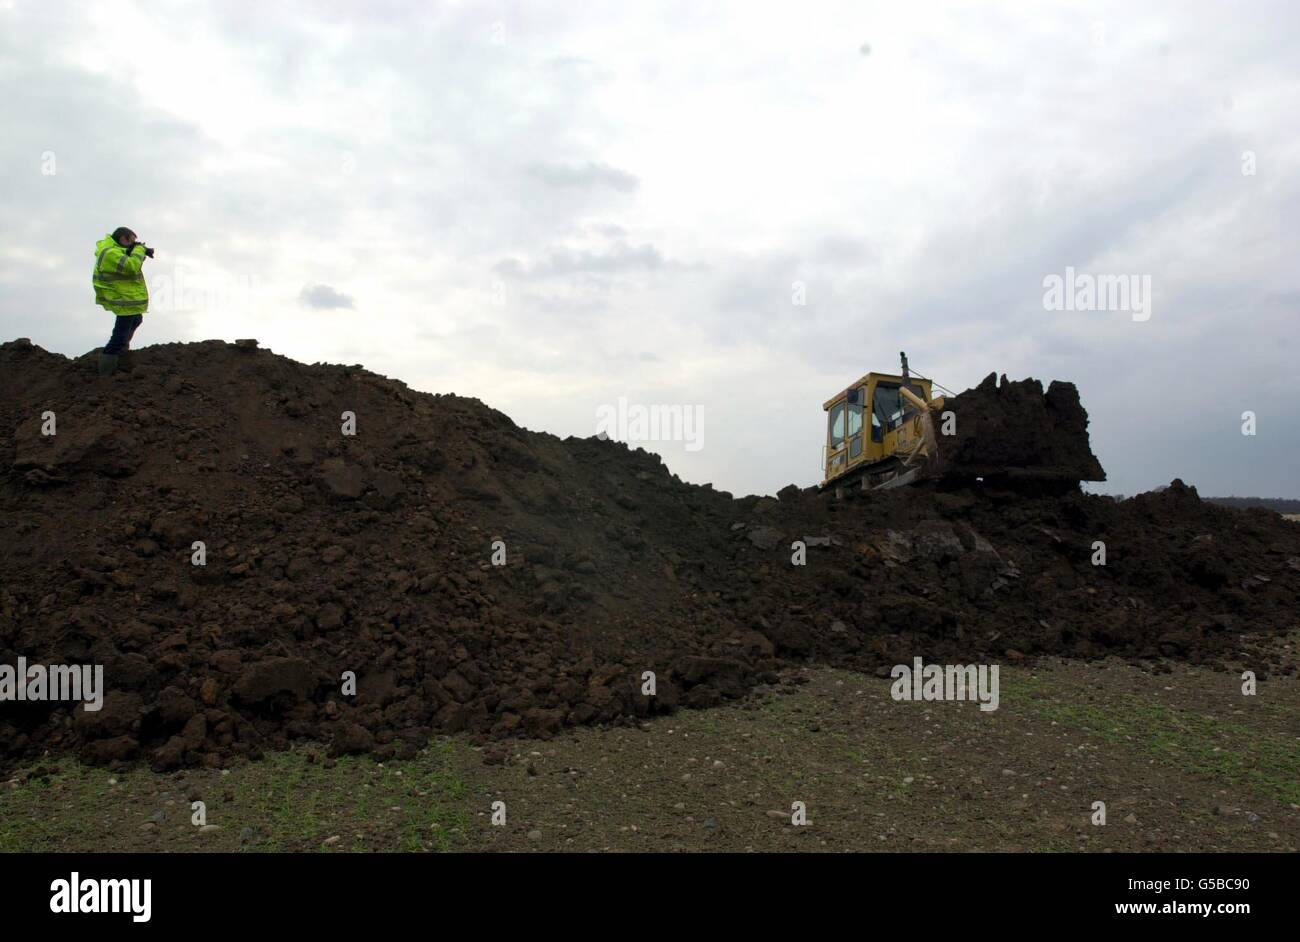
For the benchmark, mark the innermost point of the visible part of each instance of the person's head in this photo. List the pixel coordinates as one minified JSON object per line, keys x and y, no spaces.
{"x":124,"y":236}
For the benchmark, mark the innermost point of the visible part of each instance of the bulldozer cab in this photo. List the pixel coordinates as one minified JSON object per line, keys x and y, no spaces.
{"x":869,"y":422}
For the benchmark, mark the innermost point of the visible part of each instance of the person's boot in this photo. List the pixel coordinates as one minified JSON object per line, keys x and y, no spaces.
{"x":125,"y":361}
{"x":107,"y":363}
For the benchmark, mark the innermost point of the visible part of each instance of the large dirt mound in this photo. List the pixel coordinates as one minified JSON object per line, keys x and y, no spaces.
{"x":372,"y":553}
{"x":1013,"y":430}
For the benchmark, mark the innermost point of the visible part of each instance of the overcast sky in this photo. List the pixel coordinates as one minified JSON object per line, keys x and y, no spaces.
{"x":550,"y":206}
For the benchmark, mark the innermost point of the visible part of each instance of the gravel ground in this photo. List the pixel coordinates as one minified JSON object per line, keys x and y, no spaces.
{"x":1182,"y":760}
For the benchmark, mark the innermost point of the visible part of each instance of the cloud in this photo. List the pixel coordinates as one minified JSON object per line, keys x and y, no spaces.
{"x":544,"y":208}
{"x":324,"y":297}
{"x":560,"y":261}
{"x":590,"y":174}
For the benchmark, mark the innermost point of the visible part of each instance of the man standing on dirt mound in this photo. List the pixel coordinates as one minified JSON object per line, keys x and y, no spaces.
{"x":119,"y":287}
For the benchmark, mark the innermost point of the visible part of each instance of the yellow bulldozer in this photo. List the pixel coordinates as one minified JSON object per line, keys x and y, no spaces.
{"x":887,"y":430}
{"x":879,"y":430}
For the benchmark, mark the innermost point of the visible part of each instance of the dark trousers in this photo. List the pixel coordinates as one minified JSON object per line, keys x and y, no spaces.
{"x":123,"y":328}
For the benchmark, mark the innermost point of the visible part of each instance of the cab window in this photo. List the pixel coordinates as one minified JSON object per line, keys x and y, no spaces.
{"x":854,"y":429}
{"x":854,"y":418}
{"x":886,"y":408}
{"x":837,"y":424}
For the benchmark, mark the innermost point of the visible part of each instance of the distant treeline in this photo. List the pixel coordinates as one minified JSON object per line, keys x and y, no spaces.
{"x":1283,"y":505}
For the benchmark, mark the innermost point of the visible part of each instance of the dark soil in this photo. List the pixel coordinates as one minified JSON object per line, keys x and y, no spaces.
{"x":373,"y":553}
{"x":1015,"y":430}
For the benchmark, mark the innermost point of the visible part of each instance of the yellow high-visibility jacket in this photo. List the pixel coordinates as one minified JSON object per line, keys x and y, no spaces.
{"x":119,"y":278}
